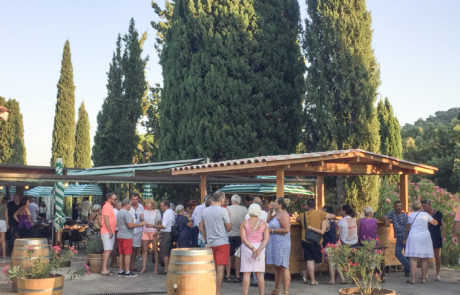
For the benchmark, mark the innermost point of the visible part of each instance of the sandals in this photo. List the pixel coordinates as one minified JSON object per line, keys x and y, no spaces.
{"x":275,"y":292}
{"x":410,"y":282}
{"x":228,"y":280}
{"x":109,"y":274}
{"x":314,"y":283}
{"x":237,"y":280}
{"x":304,"y":279}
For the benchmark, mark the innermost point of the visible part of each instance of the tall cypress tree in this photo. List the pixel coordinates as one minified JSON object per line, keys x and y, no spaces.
{"x":18,"y":147}
{"x":63,"y":144}
{"x":7,"y":136}
{"x":82,"y":155}
{"x":390,"y":130}
{"x":232,"y":78}
{"x":116,"y":138}
{"x":278,"y":67}
{"x":343,"y":77}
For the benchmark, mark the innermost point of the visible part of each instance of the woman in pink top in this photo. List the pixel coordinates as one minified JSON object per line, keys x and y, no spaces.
{"x":152,"y":216}
{"x":254,"y":238}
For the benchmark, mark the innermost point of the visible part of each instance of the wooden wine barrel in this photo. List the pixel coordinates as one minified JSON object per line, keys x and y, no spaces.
{"x":20,"y":256}
{"x":191,"y":271}
{"x":48,"y":286}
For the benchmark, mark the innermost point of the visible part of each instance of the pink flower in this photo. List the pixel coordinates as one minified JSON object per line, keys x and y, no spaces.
{"x":388,"y":200}
{"x":87,"y":269}
{"x":56,"y":248}
{"x":5,"y":270}
{"x":30,"y":248}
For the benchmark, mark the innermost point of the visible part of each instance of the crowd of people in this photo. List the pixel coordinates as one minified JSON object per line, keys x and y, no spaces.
{"x":255,"y":233}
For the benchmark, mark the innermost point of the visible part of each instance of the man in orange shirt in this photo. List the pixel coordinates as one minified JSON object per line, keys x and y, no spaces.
{"x":109,"y":223}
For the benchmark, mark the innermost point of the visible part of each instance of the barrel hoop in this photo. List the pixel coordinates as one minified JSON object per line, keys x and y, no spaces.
{"x":191,"y":272}
{"x":29,"y":258}
{"x":40,"y":290}
{"x":33,"y":248}
{"x":192,"y":262}
{"x":191,"y":252}
{"x":31,"y":242}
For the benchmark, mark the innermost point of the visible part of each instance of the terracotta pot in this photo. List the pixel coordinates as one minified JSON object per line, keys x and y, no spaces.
{"x":48,"y":286}
{"x":95,"y":262}
{"x":376,"y":291}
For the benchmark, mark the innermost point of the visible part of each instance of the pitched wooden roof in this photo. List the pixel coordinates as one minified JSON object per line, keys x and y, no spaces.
{"x":341,"y":162}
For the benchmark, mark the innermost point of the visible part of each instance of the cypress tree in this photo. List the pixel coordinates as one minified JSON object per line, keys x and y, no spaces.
{"x":106,"y":136}
{"x":279,"y":67}
{"x":116,"y":138}
{"x":82,"y":155}
{"x":343,"y":77}
{"x":7,"y":134}
{"x":390,"y":130}
{"x":18,"y":155}
{"x":63,"y":144}
{"x":232,"y":78}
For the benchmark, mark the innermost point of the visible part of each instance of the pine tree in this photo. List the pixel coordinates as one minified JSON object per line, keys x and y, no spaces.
{"x":343,"y":77}
{"x":232,"y":78}
{"x":390,"y":130}
{"x":116,"y":138}
{"x":18,"y":147}
{"x":82,"y":155}
{"x":63,"y":144}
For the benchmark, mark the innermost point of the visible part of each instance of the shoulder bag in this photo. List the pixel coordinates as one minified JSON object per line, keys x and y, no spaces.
{"x":310,"y":235}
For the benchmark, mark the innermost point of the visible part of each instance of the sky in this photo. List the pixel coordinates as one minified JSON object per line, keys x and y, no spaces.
{"x":416,"y":43}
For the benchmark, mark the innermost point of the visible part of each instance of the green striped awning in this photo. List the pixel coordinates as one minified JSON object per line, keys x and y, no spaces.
{"x":59,"y":217}
{"x":265,"y":189}
{"x":147,"y":191}
{"x":76,"y":190}
{"x":40,"y":191}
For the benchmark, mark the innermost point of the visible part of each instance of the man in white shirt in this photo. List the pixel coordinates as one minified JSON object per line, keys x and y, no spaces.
{"x":85,"y":207}
{"x":33,"y":208}
{"x":196,"y":218}
{"x":168,"y":220}
{"x":237,"y":214}
{"x":136,"y":210}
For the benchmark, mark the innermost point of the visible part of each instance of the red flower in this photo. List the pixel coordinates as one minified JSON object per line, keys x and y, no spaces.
{"x":87,"y":269}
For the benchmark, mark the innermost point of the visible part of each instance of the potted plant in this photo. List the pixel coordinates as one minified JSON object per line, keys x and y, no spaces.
{"x":362,"y":265}
{"x":42,"y":276}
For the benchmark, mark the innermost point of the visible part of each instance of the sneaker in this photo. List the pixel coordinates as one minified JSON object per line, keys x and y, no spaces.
{"x":121,"y":273}
{"x":130,"y":275}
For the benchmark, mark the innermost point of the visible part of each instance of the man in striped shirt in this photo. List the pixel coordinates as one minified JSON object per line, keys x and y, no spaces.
{"x":399,"y":220}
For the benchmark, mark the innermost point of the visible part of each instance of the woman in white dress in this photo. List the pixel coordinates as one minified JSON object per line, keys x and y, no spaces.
{"x":418,"y":240}
{"x":152,"y":216}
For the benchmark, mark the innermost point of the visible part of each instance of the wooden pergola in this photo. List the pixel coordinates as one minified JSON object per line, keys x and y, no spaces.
{"x":332,"y":163}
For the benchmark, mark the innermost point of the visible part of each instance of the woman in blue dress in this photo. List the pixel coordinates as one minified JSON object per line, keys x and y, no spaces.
{"x":184,"y":225}
{"x":279,"y":245}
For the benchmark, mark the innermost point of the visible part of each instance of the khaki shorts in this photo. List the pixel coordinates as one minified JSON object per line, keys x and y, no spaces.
{"x":165,"y":244}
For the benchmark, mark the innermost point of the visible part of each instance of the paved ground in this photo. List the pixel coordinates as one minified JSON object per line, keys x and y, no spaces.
{"x":96,"y":284}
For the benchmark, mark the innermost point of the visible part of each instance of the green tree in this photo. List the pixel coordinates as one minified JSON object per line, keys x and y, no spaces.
{"x":63,"y":143}
{"x":116,"y":138}
{"x":436,"y":141}
{"x":342,"y":82}
{"x":390,"y":130}
{"x":18,"y":147}
{"x":7,"y":134}
{"x":232,"y":75}
{"x":82,"y":155}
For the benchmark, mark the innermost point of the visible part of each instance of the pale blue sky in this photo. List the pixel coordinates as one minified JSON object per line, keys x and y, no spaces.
{"x":416,"y":44}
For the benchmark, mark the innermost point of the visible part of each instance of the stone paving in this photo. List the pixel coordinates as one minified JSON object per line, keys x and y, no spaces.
{"x":149,"y":283}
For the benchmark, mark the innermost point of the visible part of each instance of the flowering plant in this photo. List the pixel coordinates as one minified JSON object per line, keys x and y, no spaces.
{"x":43,"y":268}
{"x":361,"y":264}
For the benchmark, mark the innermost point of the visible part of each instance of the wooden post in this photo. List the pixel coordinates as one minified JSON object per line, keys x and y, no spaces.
{"x":203,"y":187}
{"x":404,"y":191}
{"x":280,"y":183}
{"x":320,"y":202}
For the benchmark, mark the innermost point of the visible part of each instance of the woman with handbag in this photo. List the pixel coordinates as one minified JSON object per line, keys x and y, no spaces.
{"x":254,"y":237}
{"x":314,"y":224}
{"x":418,"y":241}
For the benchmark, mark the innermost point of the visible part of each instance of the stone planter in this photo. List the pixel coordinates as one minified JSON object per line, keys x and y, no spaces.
{"x":48,"y":286}
{"x":376,"y":291}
